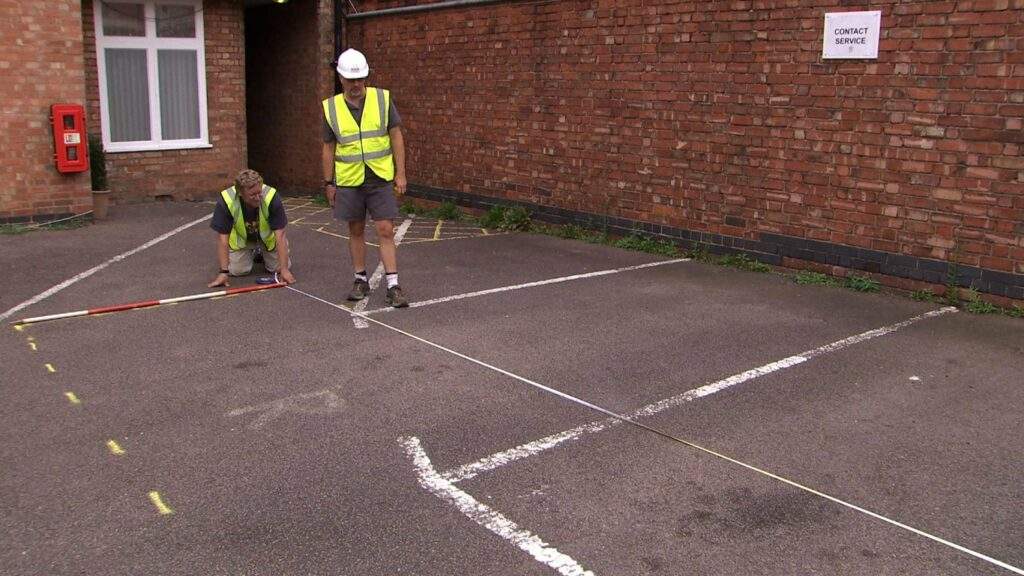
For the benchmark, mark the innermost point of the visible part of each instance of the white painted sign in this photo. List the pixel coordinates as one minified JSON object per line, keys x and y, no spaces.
{"x":851,"y":34}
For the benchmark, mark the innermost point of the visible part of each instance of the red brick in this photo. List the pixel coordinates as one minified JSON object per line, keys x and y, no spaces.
{"x":47,"y":32}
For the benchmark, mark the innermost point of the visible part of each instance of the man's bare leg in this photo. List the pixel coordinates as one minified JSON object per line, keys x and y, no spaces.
{"x":357,"y":244}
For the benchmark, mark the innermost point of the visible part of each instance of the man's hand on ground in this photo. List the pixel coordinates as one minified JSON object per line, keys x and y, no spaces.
{"x":220,"y":280}
{"x":285,"y":275}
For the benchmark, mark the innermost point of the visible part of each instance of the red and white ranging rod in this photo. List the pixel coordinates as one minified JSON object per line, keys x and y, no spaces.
{"x":149,"y":303}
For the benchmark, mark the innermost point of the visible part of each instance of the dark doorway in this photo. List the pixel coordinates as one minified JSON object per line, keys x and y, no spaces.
{"x":282,"y":69}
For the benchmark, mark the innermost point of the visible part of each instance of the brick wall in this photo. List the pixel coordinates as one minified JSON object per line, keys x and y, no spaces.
{"x":40,"y":64}
{"x":186,"y":174}
{"x":720,"y":121}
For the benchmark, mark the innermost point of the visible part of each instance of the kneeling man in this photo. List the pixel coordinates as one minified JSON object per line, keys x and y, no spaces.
{"x":250,"y":220}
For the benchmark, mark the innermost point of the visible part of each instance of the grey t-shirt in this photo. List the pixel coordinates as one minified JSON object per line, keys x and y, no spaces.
{"x":371,"y":178}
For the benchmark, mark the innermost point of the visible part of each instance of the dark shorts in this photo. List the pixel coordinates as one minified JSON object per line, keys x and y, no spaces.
{"x":378,"y":199}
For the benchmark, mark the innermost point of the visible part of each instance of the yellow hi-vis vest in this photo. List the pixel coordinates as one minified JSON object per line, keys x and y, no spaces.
{"x":364,"y":144}
{"x":239,"y":235}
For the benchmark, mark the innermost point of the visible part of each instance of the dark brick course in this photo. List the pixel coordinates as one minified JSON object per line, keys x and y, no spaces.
{"x":767,"y":248}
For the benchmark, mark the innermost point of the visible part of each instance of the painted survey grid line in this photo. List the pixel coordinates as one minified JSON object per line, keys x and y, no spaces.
{"x":307,"y":215}
{"x":336,"y":235}
{"x":558,"y":280}
{"x":293,"y":206}
{"x":535,"y":447}
{"x":446,"y":238}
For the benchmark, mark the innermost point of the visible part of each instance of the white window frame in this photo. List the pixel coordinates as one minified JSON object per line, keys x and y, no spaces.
{"x":152,"y":44}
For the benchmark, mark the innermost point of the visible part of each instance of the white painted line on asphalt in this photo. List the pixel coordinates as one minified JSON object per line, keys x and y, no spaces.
{"x":483,"y":515}
{"x":50,"y":292}
{"x":375,"y":279}
{"x":531,"y":285}
{"x":535,"y":447}
{"x":467,"y":503}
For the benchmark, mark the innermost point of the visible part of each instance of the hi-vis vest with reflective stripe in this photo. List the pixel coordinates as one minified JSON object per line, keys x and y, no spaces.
{"x":238,"y":236}
{"x":364,"y":144}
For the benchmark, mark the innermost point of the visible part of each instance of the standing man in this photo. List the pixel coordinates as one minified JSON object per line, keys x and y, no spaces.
{"x":249,"y":220}
{"x":363,"y":168}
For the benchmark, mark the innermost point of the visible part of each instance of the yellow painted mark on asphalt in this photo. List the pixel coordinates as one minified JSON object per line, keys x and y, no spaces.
{"x":19,"y":327}
{"x":33,"y":346}
{"x":322,"y":231}
{"x":115,"y":448}
{"x":50,"y":368}
{"x":437,"y":231}
{"x":154,"y":497}
{"x":72,"y":398}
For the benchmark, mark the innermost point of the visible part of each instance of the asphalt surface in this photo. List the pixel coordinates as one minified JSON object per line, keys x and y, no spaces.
{"x":277,"y":433}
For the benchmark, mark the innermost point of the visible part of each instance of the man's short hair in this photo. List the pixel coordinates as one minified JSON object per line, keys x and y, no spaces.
{"x":246,"y":178}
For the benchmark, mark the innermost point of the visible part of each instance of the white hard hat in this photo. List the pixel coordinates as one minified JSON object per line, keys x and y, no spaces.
{"x":352,"y":64}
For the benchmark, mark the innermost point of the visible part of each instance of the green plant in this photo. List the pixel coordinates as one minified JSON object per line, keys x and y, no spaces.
{"x":952,"y":295}
{"x":1016,"y":312}
{"x":70,"y":224}
{"x":448,"y":210}
{"x":97,"y":163}
{"x":516,"y":218}
{"x":816,"y":278}
{"x":572,"y":232}
{"x":493,"y":217}
{"x":647,"y":244}
{"x":320,"y":200}
{"x":743,"y":262}
{"x":700,"y":253}
{"x":14,"y":229}
{"x":862,"y":283}
{"x":923,"y":296}
{"x":513,"y":218}
{"x":410,"y":209}
{"x":975,"y":305}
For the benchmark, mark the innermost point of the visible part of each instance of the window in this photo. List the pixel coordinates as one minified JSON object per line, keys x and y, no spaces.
{"x":152,"y":74}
